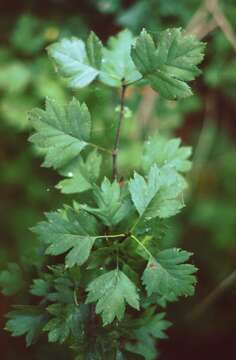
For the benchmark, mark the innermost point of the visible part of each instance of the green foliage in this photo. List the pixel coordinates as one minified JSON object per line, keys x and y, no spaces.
{"x":26,"y":320}
{"x":162,"y":152}
{"x":168,"y":62}
{"x":112,"y":201}
{"x":78,"y":63}
{"x":82,"y":174}
{"x":111,"y":291}
{"x":11,"y":279}
{"x":62,"y":131}
{"x":160,"y":194}
{"x":145,"y":335}
{"x":68,"y":231}
{"x":169,"y":274}
{"x":98,"y":299}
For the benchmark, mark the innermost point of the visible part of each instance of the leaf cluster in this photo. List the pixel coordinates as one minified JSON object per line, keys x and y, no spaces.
{"x":105,"y":295}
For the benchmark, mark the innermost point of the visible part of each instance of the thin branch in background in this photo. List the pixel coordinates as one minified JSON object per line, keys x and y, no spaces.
{"x":222,"y":21}
{"x":118,"y":131}
{"x":213,"y":296}
{"x":205,"y":141}
{"x":197,"y":20}
{"x":203,"y":31}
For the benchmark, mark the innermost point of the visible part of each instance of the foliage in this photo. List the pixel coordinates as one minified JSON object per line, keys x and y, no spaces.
{"x":107,"y":271}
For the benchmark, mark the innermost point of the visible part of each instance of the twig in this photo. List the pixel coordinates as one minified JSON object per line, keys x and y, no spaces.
{"x":213,"y":296}
{"x":197,"y":19}
{"x":203,"y":31}
{"x":118,"y":131}
{"x":222,"y":21}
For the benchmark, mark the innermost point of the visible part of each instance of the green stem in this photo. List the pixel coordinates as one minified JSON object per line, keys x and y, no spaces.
{"x":111,"y":236}
{"x":141,"y":244}
{"x":135,"y":224}
{"x":100,"y":148}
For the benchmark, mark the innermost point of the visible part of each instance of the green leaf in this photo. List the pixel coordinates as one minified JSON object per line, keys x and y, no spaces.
{"x":168,"y":61}
{"x":61,"y":131}
{"x":112,"y":201}
{"x":158,"y":150}
{"x":145,"y":336}
{"x":111,"y":291}
{"x":26,"y":320}
{"x":60,"y":326}
{"x":40,"y":287}
{"x":159,"y":194}
{"x":117,"y":65}
{"x":69,"y":232}
{"x":11,"y":279}
{"x":78,"y":66}
{"x":94,"y":50}
{"x":168,"y":274}
{"x":82,"y":174}
{"x":56,"y":286}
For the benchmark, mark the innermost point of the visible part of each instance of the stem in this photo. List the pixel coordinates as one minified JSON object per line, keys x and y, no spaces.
{"x":75,"y":297}
{"x":100,"y":148}
{"x":136,"y":223}
{"x":111,"y":236}
{"x":141,"y":244}
{"x":118,"y":131}
{"x":133,"y":82}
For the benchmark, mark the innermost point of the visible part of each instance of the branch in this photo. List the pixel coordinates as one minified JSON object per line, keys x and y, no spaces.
{"x":118,"y":131}
{"x":222,"y":21}
{"x":213,"y":296}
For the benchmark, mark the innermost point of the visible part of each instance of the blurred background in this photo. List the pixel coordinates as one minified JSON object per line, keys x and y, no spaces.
{"x":204,"y":326}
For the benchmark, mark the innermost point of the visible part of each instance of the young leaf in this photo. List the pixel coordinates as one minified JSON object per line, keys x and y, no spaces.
{"x":78,"y":66}
{"x":61,"y":131}
{"x":158,"y":150}
{"x":73,"y":233}
{"x":159,"y":194}
{"x":113,"y":203}
{"x":111,"y":291}
{"x":117,"y":65}
{"x":81,"y":174}
{"x":11,"y":279}
{"x":169,"y":62}
{"x":26,"y":320}
{"x":169,"y":274}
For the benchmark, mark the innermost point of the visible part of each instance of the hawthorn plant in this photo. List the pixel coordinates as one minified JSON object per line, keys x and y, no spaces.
{"x":104,"y":291}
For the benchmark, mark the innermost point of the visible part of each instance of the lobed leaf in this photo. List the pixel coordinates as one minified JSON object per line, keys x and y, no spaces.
{"x":112,"y":201}
{"x":161,"y":151}
{"x":61,"y":131}
{"x":26,"y":320}
{"x":117,"y":64}
{"x":159,"y":195}
{"x":146,"y":335}
{"x":81,"y":174}
{"x":168,"y":61}
{"x":78,"y":63}
{"x":168,"y":274}
{"x":69,"y":233}
{"x":111,"y":291}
